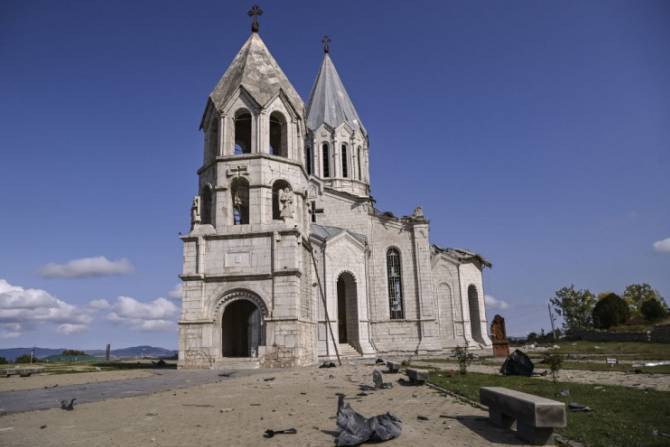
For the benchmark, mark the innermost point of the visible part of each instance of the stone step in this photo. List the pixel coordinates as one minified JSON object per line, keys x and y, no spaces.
{"x":237,"y":363}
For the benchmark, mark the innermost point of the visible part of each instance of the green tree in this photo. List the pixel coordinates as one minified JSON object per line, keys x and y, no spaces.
{"x":636,"y":294}
{"x":610,"y":310}
{"x":25,"y":358}
{"x":652,"y":310}
{"x":73,"y":352}
{"x":575,"y":306}
{"x":3,"y":361}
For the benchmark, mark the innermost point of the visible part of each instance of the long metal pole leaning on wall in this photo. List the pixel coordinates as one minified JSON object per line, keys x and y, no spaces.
{"x":325,"y":305}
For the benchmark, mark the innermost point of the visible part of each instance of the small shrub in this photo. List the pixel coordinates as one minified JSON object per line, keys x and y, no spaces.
{"x":25,"y":358}
{"x":555,"y":362}
{"x":652,"y":310}
{"x":73,"y":353}
{"x":464,"y":358}
{"x":610,"y":311}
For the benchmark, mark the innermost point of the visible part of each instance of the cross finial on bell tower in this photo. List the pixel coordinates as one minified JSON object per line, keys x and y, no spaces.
{"x":326,"y":44}
{"x":254,"y":12}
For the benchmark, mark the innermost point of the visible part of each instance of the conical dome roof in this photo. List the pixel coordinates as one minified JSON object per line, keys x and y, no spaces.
{"x":329,"y":101}
{"x":257,"y":71}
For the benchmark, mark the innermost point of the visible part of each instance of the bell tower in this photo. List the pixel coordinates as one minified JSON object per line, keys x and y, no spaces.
{"x":337,"y":141}
{"x":249,"y":220}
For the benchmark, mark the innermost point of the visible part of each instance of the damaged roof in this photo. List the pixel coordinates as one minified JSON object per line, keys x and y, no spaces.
{"x":329,"y":102}
{"x":325,"y":232}
{"x":463,"y":255}
{"x":257,"y":71}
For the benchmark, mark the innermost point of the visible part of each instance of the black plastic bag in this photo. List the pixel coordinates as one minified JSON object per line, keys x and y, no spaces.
{"x":517,"y":364}
{"x":355,"y":429}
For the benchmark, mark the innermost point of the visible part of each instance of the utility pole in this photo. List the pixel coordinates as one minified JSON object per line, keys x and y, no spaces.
{"x":551,"y":318}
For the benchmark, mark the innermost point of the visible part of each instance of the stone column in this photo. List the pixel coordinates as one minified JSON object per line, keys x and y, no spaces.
{"x":429,"y":328}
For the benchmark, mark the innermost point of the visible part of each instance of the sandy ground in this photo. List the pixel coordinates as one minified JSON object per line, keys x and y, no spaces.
{"x":659,"y":382}
{"x":236,"y":412}
{"x":15,"y":383}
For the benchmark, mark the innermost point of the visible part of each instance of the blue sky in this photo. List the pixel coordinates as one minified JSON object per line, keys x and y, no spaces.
{"x":535,"y":133}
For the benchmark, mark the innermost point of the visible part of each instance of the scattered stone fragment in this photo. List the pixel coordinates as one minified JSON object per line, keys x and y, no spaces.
{"x":67,"y":406}
{"x":42,"y":427}
{"x":422,"y":418}
{"x":227,"y":410}
{"x":576,"y":408}
{"x":269,"y":379}
{"x":270,"y":433}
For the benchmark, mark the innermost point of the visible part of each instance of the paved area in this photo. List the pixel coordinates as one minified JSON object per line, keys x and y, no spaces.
{"x":201,"y":408}
{"x":162,"y":380}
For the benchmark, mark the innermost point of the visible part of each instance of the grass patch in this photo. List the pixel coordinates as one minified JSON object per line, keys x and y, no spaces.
{"x":621,"y":416}
{"x":134,"y":365}
{"x":633,"y":350}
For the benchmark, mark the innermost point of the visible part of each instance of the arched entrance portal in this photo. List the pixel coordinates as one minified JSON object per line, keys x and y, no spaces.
{"x":241,"y":329}
{"x":475,"y":318}
{"x":347,"y":309}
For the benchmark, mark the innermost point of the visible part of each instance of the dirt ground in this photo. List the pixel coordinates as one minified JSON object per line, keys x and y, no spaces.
{"x":659,"y":382}
{"x":15,"y":383}
{"x":236,"y":412}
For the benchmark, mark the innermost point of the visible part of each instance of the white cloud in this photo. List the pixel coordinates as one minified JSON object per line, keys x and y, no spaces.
{"x":87,"y":268}
{"x":10,"y":330}
{"x":177,"y":292}
{"x":156,"y":315}
{"x":662,"y":246}
{"x":21,"y":309}
{"x":69,"y":328}
{"x":495,"y":303}
{"x":99,"y":304}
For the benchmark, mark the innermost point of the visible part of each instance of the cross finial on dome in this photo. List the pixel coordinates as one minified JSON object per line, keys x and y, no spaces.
{"x":326,"y":44}
{"x":254,"y":12}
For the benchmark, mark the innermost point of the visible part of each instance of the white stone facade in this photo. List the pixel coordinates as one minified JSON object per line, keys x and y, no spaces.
{"x":289,"y":262}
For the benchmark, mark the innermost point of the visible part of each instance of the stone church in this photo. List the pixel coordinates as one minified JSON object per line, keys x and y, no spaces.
{"x":288,"y":262}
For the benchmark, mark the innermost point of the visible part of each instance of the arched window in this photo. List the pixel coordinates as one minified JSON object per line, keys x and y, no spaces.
{"x":282,"y":200}
{"x":278,"y":144}
{"x":242,"y":132}
{"x":473,"y":304}
{"x":308,"y":159}
{"x":326,"y":159}
{"x":206,"y":205}
{"x":393,"y":268}
{"x":358,"y":160}
{"x":239,"y":192}
{"x":345,"y":162}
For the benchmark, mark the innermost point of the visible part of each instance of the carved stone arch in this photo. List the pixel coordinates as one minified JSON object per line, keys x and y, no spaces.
{"x":240,"y":323}
{"x":239,"y":294}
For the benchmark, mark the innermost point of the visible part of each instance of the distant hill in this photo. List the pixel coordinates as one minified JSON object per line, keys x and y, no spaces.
{"x":132,"y":352}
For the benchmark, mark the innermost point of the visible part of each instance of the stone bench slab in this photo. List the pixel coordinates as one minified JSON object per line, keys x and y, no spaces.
{"x":417,"y":376}
{"x":536,"y":416}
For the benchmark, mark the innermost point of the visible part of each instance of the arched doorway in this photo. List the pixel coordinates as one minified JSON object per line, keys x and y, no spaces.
{"x":241,"y":329}
{"x":347,"y":309}
{"x":475,"y":318}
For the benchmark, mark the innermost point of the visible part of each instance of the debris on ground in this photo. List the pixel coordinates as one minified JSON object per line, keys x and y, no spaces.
{"x":517,"y":364}
{"x":42,"y":427}
{"x":67,"y":406}
{"x":268,"y":379}
{"x":379,"y":361}
{"x":422,"y":418}
{"x":226,"y":374}
{"x":328,"y":365}
{"x":578,"y":408}
{"x":565,"y":392}
{"x":378,"y":380}
{"x":355,"y":429}
{"x":393,"y":367}
{"x":417,"y":376}
{"x":270,"y":433}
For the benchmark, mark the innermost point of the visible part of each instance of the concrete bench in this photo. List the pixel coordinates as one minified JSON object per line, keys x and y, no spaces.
{"x":536,"y":417}
{"x":417,"y":376}
{"x":393,"y":367}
